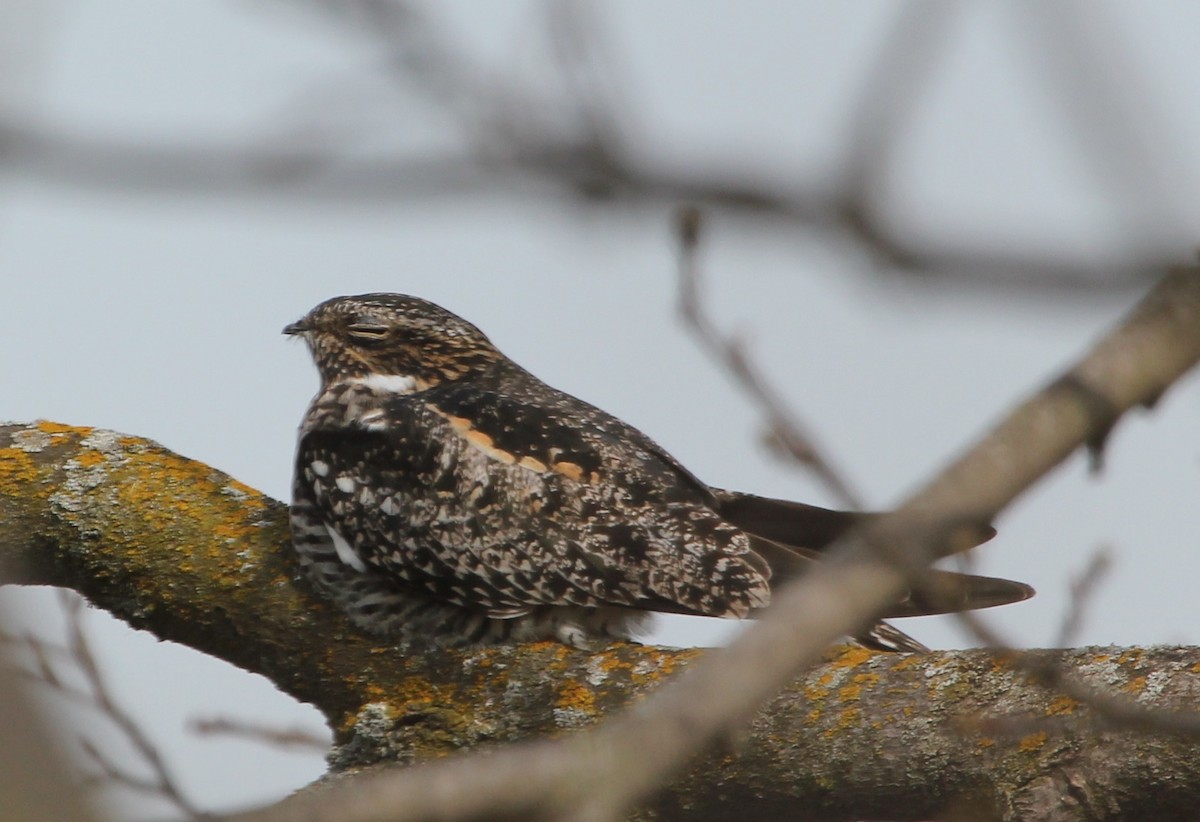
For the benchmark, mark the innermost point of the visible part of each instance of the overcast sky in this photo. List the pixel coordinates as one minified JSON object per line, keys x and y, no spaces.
{"x":160,"y":315}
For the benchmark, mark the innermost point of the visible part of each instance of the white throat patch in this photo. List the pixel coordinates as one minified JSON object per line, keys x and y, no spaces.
{"x":388,"y":383}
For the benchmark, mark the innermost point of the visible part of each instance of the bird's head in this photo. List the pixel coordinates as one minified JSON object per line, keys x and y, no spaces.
{"x":392,"y":336}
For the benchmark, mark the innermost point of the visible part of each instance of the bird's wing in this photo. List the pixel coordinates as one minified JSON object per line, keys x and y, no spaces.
{"x":790,"y":536}
{"x":489,"y":501}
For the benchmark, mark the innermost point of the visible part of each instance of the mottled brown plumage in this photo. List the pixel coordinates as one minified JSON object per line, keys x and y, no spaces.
{"x":443,"y":494}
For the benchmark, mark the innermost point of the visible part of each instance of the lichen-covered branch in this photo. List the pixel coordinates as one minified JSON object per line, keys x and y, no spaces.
{"x":181,"y":549}
{"x":185,"y":551}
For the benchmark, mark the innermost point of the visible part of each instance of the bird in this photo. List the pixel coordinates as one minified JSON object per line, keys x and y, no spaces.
{"x":444,"y":496}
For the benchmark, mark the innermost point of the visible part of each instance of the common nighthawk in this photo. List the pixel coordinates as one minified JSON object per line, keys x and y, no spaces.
{"x":445,"y":495}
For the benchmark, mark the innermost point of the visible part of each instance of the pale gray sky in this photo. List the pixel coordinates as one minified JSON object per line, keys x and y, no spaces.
{"x":160,"y":315}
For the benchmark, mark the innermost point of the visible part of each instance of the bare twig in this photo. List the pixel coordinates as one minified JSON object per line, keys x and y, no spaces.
{"x":78,"y":653}
{"x":785,"y":427}
{"x":886,"y":105}
{"x":521,"y":142}
{"x":1083,"y":61}
{"x":34,"y":781}
{"x":1083,"y":588}
{"x":266,"y":734}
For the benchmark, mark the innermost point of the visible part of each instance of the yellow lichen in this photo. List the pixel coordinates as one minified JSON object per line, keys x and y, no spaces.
{"x":1135,"y":685}
{"x":1002,"y":662}
{"x":58,"y":428}
{"x":814,"y":694}
{"x":577,"y":697}
{"x":1032,"y":742}
{"x":1132,"y":655}
{"x":90,"y":459}
{"x":17,"y":466}
{"x":846,"y":718}
{"x":850,"y":693}
{"x":852,"y":657}
{"x":1061,"y":706}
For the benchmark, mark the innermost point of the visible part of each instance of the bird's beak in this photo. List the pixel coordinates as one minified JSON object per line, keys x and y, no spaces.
{"x":298,"y":327}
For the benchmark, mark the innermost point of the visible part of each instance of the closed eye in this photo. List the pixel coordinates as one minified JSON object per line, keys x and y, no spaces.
{"x":367,"y":331}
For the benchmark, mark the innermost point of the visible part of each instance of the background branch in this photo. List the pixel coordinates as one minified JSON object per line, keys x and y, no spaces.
{"x":513,"y":138}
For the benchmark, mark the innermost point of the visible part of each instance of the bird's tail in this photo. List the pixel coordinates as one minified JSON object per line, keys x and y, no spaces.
{"x":791,"y":536}
{"x":884,"y":637}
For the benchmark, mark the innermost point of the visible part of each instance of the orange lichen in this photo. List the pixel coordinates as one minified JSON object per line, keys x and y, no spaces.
{"x":58,"y":428}
{"x":577,"y":697}
{"x":852,"y":657}
{"x":17,"y":466}
{"x":1135,"y":685}
{"x":90,"y":459}
{"x":846,"y":718}
{"x":252,"y":495}
{"x":1002,"y":663}
{"x":1133,"y":655}
{"x":1032,"y":742}
{"x":231,"y":532}
{"x":850,"y":693}
{"x":1061,"y":706}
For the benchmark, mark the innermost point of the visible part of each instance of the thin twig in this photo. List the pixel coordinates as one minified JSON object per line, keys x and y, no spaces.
{"x":279,"y":737}
{"x":785,"y":427}
{"x":1083,"y":588}
{"x":98,"y":696}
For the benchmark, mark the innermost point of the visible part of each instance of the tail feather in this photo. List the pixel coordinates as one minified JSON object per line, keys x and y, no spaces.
{"x":883,"y":637}
{"x":791,"y":536}
{"x":795,"y":523}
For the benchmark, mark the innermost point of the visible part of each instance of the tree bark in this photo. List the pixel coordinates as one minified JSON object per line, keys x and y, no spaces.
{"x":184,"y":551}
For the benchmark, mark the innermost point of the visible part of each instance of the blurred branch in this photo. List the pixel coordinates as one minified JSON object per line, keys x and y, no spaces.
{"x":35,"y":782}
{"x":253,"y":731}
{"x":1083,"y":588}
{"x":787,"y":432}
{"x":96,"y":695}
{"x":519,"y":141}
{"x":1100,"y":91}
